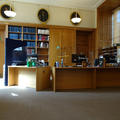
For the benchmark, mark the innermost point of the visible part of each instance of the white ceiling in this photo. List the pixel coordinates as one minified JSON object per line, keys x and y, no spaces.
{"x":81,"y":4}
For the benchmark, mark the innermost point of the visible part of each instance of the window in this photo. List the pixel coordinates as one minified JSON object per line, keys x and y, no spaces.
{"x":116,"y":26}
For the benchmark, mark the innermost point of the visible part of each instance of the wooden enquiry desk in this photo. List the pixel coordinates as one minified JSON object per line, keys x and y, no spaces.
{"x":77,"y":78}
{"x":34,"y":77}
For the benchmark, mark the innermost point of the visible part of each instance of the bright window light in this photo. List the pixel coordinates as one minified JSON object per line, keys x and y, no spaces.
{"x":14,"y":94}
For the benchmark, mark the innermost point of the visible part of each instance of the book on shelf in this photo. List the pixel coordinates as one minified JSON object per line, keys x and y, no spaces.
{"x":43,"y":31}
{"x":43,"y":37}
{"x":30,"y":51}
{"x":30,"y":44}
{"x":29,"y":30}
{"x":43,"y":45}
{"x":14,"y":36}
{"x":14,"y":29}
{"x":29,"y":37}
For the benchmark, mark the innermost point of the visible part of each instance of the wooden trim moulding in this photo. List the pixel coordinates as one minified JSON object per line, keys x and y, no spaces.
{"x":46,"y":26}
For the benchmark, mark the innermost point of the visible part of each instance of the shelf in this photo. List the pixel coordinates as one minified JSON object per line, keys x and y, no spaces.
{"x":42,"y":40}
{"x":29,"y":33}
{"x":31,"y":47}
{"x":42,"y":54}
{"x":42,"y":48}
{"x":16,"y":39}
{"x":29,"y":40}
{"x":43,"y":34}
{"x":15,"y":32}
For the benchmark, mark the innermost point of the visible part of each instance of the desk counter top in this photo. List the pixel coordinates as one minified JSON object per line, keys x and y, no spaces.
{"x":26,"y":67}
{"x":60,"y":68}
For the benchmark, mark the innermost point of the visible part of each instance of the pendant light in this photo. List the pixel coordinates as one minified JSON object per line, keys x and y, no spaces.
{"x":9,"y":12}
{"x":75,"y":18}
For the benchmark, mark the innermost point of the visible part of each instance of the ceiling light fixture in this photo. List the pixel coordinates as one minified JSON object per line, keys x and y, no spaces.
{"x":75,"y":18}
{"x":9,"y":12}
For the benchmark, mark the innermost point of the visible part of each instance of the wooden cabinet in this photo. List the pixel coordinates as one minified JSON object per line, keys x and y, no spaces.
{"x":2,"y":50}
{"x":55,"y":46}
{"x":68,"y":45}
{"x":62,"y":45}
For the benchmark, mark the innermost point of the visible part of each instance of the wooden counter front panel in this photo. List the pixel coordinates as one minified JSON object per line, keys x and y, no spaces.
{"x":43,"y":78}
{"x":73,"y":79}
{"x":108,"y":77}
{"x":33,"y":77}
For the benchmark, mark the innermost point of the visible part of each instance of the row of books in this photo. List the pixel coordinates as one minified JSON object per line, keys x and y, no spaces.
{"x":29,"y":30}
{"x":29,"y":37}
{"x":30,"y":51}
{"x":43,"y":31}
{"x":30,"y":44}
{"x":43,"y":45}
{"x":14,"y":29}
{"x":14,"y":36}
{"x":43,"y":37}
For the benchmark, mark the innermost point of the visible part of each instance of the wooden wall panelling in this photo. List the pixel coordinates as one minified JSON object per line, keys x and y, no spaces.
{"x":85,"y":43}
{"x":2,"y":49}
{"x":92,"y":45}
{"x":62,"y":45}
{"x":104,"y":28}
{"x":55,"y":46}
{"x":68,"y":45}
{"x":82,"y":42}
{"x":104,"y":23}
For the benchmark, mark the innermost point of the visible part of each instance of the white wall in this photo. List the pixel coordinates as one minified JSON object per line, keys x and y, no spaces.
{"x":57,"y":15}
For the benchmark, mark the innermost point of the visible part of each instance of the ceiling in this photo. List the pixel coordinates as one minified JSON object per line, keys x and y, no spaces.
{"x":81,"y":4}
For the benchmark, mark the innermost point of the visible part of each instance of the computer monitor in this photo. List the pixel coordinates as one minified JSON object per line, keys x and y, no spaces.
{"x":78,"y":58}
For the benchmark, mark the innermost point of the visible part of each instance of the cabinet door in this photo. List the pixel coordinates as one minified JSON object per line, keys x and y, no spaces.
{"x":55,"y":46}
{"x":68,"y":45}
{"x":2,"y":52}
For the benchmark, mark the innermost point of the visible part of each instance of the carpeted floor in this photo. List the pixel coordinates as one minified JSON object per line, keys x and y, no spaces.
{"x":27,"y":104}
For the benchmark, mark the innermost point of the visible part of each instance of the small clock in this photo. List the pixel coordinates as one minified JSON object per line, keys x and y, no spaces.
{"x":3,"y":8}
{"x":43,"y":15}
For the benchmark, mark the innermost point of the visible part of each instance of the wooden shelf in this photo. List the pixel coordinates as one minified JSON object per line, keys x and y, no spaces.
{"x":18,"y":39}
{"x":43,"y":34}
{"x":15,"y":32}
{"x":42,"y":48}
{"x":31,"y":47}
{"x":29,"y":40}
{"x":29,"y":33}
{"x":42,"y":40}
{"x":42,"y":54}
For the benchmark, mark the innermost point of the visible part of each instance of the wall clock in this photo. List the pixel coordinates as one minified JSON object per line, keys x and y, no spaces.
{"x":43,"y":15}
{"x":3,"y":8}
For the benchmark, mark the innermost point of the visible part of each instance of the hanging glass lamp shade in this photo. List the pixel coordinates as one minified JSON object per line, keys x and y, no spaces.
{"x":75,"y":18}
{"x":10,"y":13}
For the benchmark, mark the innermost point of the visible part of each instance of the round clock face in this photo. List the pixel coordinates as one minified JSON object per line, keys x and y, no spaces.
{"x":3,"y":8}
{"x":43,"y":15}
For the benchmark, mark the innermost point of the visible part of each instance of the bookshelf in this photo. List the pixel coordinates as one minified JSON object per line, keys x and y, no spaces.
{"x":29,"y":35}
{"x":43,"y":43}
{"x":37,"y":39}
{"x":15,"y":32}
